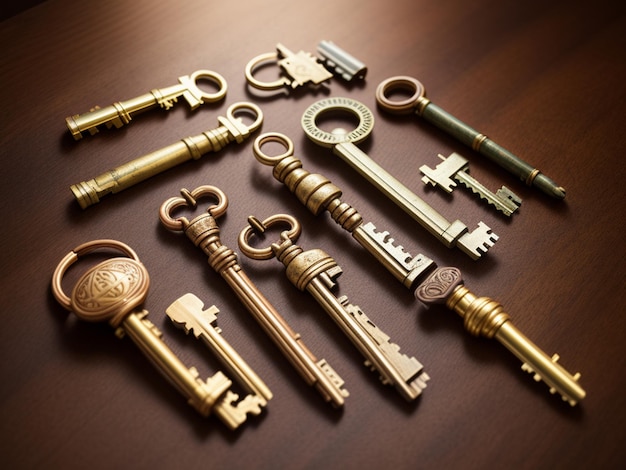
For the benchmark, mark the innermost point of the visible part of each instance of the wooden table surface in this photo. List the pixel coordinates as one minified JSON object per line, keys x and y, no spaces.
{"x":544,"y":79}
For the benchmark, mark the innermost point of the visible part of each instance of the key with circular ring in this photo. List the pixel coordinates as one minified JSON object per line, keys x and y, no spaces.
{"x":204,"y":232}
{"x":114,"y":291}
{"x":451,"y":234}
{"x":120,"y":113}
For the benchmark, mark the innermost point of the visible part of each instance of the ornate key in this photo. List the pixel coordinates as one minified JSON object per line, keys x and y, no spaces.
{"x":300,"y":68}
{"x":455,"y":169}
{"x":188,"y":314}
{"x":485,"y":317}
{"x":231,"y":129}
{"x":113,"y":291}
{"x":451,"y":234}
{"x":316,"y":271}
{"x":423,"y":107}
{"x":318,"y":194}
{"x":204,"y":232}
{"x":120,"y":113}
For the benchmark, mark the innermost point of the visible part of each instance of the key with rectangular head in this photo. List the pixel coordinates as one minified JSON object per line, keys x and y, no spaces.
{"x":120,"y":113}
{"x":318,"y":194}
{"x":315,"y":271}
{"x":188,"y":313}
{"x":113,"y":291}
{"x":204,"y":232}
{"x":455,"y":169}
{"x":451,"y":234}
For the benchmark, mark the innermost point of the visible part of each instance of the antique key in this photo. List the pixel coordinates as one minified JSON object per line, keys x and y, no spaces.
{"x":120,"y":113}
{"x":318,"y":194}
{"x":113,"y":291}
{"x":455,"y":169}
{"x":231,"y":129}
{"x":188,"y":314}
{"x":451,"y":234}
{"x":204,"y":232}
{"x":316,"y":271}
{"x":465,"y":134}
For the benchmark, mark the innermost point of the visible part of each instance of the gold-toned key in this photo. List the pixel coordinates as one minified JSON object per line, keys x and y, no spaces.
{"x":204,"y":232}
{"x":120,"y":113}
{"x":113,"y":291}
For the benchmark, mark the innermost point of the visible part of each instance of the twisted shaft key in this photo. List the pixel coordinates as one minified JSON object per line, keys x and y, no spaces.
{"x":451,"y":234}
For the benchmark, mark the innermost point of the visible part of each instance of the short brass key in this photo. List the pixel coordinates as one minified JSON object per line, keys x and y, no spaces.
{"x":113,"y":291}
{"x":204,"y":232}
{"x":120,"y":113}
{"x":315,"y":271}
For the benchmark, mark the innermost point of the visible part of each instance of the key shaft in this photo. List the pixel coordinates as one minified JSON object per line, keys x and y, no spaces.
{"x":120,"y":113}
{"x":231,"y":129}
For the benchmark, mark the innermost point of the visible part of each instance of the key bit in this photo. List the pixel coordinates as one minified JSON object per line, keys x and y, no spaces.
{"x":302,"y":67}
{"x":315,"y":271}
{"x":485,"y":317}
{"x":120,"y":113}
{"x":455,"y":169}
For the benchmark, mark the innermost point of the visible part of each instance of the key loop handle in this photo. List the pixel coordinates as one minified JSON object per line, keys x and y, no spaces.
{"x":190,"y":199}
{"x":259,"y":61}
{"x":276,"y":137}
{"x":73,"y":256}
{"x":402,"y":82}
{"x":255,"y":226}
{"x":342,"y":105}
{"x":191,"y":82}
{"x":245,"y":107}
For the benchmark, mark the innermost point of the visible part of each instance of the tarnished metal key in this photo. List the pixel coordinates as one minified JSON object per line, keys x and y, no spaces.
{"x":113,"y":291}
{"x":315,"y":271}
{"x":120,"y":113}
{"x":485,"y":317}
{"x":231,"y":129}
{"x":451,"y":234}
{"x":318,"y":194}
{"x":204,"y":232}
{"x":455,"y":169}
{"x":188,"y":313}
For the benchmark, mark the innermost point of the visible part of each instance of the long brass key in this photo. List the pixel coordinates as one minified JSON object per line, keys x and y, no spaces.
{"x":204,"y":232}
{"x":120,"y":113}
{"x":318,"y":194}
{"x":315,"y":271}
{"x":113,"y":291}
{"x":231,"y":129}
{"x":451,"y":234}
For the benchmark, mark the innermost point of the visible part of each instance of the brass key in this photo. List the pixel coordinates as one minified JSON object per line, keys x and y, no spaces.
{"x":120,"y":113}
{"x":316,"y":271}
{"x":451,"y":234}
{"x":113,"y":291}
{"x":204,"y":232}
{"x":231,"y":129}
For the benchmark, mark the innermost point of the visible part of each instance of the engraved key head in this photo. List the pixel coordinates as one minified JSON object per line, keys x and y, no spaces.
{"x":108,"y":291}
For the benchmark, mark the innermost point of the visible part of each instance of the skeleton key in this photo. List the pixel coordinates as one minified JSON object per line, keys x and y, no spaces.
{"x":114,"y":290}
{"x":485,"y":317}
{"x":231,"y":129}
{"x":120,"y":113}
{"x":318,"y":194}
{"x":455,"y":169}
{"x":203,"y":231}
{"x":474,"y":244}
{"x":301,"y":68}
{"x":187,"y":313}
{"x":316,"y":271}
{"x":465,"y":134}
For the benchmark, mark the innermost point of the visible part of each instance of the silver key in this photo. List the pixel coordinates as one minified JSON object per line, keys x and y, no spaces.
{"x":340,"y":62}
{"x":455,"y":169}
{"x":120,"y":113}
{"x":188,"y":314}
{"x":315,"y":271}
{"x":451,"y":234}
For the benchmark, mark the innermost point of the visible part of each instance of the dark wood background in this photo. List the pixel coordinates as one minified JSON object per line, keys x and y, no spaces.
{"x":544,"y":79}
